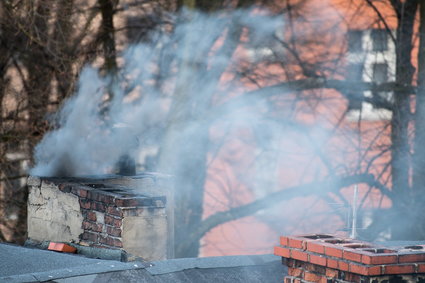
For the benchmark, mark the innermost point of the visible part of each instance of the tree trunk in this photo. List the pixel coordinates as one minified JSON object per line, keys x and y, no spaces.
{"x":4,"y":60}
{"x":37,"y":60}
{"x":62,"y":36}
{"x":184,"y":149}
{"x":419,"y":140}
{"x":400,"y":151}
{"x":186,"y":141}
{"x":107,"y":34}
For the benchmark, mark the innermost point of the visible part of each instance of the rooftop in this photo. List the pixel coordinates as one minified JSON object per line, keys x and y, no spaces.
{"x":22,"y":264}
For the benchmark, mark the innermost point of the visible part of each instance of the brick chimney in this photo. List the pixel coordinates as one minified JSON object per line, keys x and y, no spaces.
{"x":129,"y":213}
{"x":325,"y":258}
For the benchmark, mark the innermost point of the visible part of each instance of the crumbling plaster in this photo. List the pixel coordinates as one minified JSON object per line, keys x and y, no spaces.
{"x":53,"y":214}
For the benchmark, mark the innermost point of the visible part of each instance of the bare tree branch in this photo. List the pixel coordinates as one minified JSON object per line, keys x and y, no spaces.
{"x":343,"y":86}
{"x":387,"y":28}
{"x":268,"y":201}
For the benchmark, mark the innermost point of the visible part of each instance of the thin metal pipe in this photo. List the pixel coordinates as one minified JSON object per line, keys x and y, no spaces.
{"x":354,"y":208}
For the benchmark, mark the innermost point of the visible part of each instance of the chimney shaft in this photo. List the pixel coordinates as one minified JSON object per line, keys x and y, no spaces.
{"x":132,"y":214}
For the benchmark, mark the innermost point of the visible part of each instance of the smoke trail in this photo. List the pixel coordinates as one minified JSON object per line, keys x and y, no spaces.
{"x":88,"y":141}
{"x":165,"y":99}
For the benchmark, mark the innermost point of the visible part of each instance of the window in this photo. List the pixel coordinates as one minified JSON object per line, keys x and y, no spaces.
{"x":380,"y":75}
{"x":355,"y":73}
{"x":355,"y":41}
{"x":368,"y":60}
{"x":380,"y":72}
{"x":379,"y":40}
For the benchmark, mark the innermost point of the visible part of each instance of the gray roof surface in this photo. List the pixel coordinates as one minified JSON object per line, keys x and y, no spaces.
{"x":20,"y":264}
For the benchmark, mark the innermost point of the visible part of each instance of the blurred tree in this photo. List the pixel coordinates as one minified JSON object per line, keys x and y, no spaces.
{"x":44,"y":44}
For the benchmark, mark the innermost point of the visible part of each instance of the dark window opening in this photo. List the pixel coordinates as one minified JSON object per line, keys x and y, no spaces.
{"x":380,"y":75}
{"x":355,"y":41}
{"x":355,"y":74}
{"x":379,"y":40}
{"x":380,"y":72}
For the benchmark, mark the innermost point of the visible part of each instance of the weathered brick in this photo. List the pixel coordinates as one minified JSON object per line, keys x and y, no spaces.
{"x":332,"y":263}
{"x":292,"y":262}
{"x":288,"y":262}
{"x":295,"y":243}
{"x":296,"y":272}
{"x":411,"y":257}
{"x":284,"y":241}
{"x":332,"y":273}
{"x":298,"y":263}
{"x":312,"y":277}
{"x":101,"y":197}
{"x":365,"y":269}
{"x":317,"y":259}
{"x":315,"y":247}
{"x":104,"y":240}
{"x":333,"y":251}
{"x":109,"y":220}
{"x":109,"y":199}
{"x":61,"y":247}
{"x":351,"y":277}
{"x":132,"y":202}
{"x":86,"y":204}
{"x":280,"y":251}
{"x":98,"y":206}
{"x":85,"y":224}
{"x":119,"y":202}
{"x":352,"y":255}
{"x":93,"y":195}
{"x":89,"y":236}
{"x":110,"y":241}
{"x":420,"y":268}
{"x":79,"y":192}
{"x":299,"y":255}
{"x":114,"y":211}
{"x":379,"y":259}
{"x":314,"y":268}
{"x":90,"y":226}
{"x":117,"y":243}
{"x":116,"y":232}
{"x":325,"y":280}
{"x":343,"y":265}
{"x":399,"y":269}
{"x":91,"y":216}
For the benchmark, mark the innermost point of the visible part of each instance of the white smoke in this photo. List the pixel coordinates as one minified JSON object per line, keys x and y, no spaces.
{"x":195,"y":67}
{"x":90,"y":138}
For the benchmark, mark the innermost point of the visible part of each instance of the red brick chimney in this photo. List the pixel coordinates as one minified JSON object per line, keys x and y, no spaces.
{"x":129,"y":213}
{"x":326,"y":258}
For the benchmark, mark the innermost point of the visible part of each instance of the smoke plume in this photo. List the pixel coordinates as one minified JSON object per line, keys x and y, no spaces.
{"x":95,"y":128}
{"x":186,"y":83}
